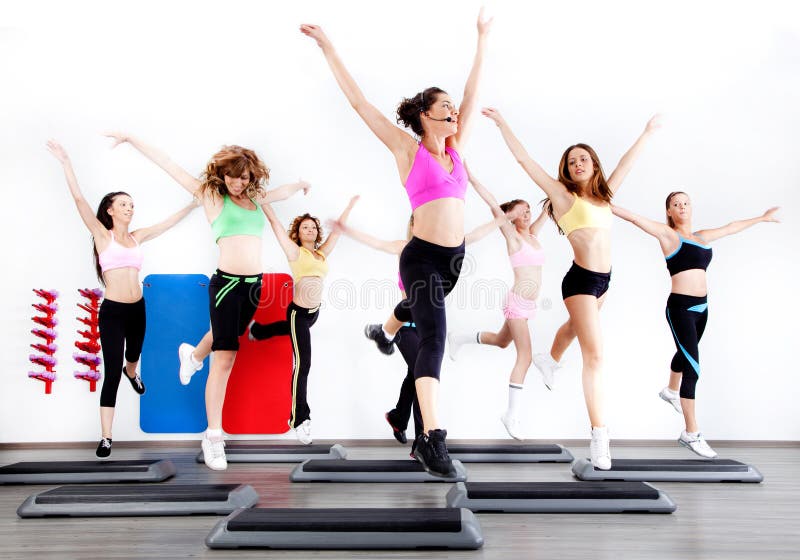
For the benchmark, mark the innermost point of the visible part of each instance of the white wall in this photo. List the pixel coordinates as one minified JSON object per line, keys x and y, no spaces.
{"x":190,"y":77}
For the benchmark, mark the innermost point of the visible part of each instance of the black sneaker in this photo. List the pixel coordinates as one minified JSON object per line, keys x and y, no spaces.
{"x":399,"y":435}
{"x":136,"y":382}
{"x":432,"y":452}
{"x":104,"y":448}
{"x":375,"y":332}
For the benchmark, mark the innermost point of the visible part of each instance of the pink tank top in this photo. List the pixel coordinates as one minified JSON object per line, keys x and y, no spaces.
{"x":428,"y":180}
{"x":117,"y":256}
{"x":527,"y":256}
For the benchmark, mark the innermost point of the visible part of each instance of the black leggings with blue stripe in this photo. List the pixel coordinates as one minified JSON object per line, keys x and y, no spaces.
{"x":687,"y":316}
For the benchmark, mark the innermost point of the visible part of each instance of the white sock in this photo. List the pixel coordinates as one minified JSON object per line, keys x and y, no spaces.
{"x":670,"y":392}
{"x":195,"y":363}
{"x":388,"y":336}
{"x":693,"y":435}
{"x":514,"y":398}
{"x":466,"y":338}
{"x":214,"y":433}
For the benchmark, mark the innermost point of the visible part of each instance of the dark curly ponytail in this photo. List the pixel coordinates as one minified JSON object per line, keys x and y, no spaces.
{"x":409,"y":110}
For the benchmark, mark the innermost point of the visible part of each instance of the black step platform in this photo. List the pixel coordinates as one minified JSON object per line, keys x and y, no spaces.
{"x":267,"y":453}
{"x":66,"y":472}
{"x":559,"y":497}
{"x":348,"y":528}
{"x":137,"y":499}
{"x":343,"y":470}
{"x":669,"y":470}
{"x":509,"y":453}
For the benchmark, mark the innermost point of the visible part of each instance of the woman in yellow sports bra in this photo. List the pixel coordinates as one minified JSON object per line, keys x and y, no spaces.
{"x":231,"y":191}
{"x":308,"y":261}
{"x":580,"y":200}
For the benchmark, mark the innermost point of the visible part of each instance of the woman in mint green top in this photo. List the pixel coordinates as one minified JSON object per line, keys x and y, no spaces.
{"x":232,"y":193}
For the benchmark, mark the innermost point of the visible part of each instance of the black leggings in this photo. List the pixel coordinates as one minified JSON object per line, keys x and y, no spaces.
{"x":429,"y":272}
{"x":298,"y":323}
{"x":687,"y":316}
{"x":408,"y":344}
{"x":121,"y":327}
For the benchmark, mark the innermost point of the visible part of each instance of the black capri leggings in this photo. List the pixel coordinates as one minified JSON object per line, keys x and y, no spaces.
{"x":429,"y":272}
{"x":298,"y":323}
{"x":687,"y":317}
{"x":408,"y":344}
{"x":121,"y":327}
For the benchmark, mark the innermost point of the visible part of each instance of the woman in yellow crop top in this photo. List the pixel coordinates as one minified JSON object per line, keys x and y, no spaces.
{"x":232,"y":192}
{"x":308,"y":260}
{"x":580,"y":200}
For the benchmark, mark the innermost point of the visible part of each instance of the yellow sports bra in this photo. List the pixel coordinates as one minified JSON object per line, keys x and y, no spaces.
{"x":584,"y":214}
{"x":307,"y":265}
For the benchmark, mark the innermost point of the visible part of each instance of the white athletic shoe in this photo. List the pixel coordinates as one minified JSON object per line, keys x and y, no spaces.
{"x":697,"y":443}
{"x":188,"y":367}
{"x":599,"y":449}
{"x":303,"y":432}
{"x":453,"y":346}
{"x":214,"y":453}
{"x":547,"y":366}
{"x":672,"y":397}
{"x":513,"y":426}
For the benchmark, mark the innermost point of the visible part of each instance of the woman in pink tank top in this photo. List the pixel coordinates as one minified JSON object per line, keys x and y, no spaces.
{"x":527,"y":257}
{"x":433,"y":175}
{"x":117,"y":259}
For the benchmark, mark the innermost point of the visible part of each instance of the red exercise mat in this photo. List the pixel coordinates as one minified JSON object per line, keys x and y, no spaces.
{"x":259,"y":397}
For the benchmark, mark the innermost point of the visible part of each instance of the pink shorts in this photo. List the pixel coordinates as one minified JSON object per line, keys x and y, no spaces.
{"x":517,"y":307}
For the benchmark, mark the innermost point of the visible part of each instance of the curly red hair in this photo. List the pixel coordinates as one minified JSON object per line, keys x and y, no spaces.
{"x":233,"y":161}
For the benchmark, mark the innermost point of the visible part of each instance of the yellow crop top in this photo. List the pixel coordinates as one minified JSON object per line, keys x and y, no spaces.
{"x":307,"y":265}
{"x":584,"y":214}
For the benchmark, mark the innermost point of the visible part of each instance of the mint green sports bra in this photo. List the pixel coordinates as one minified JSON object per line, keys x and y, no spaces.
{"x":235,"y":220}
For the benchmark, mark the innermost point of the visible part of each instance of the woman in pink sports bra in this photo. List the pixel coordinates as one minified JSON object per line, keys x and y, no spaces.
{"x":527,"y":257}
{"x":580,"y":204}
{"x":434,"y":177}
{"x":118,"y":259}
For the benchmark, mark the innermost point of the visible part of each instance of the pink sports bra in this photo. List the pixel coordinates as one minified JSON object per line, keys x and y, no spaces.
{"x":428,"y":180}
{"x":117,"y":256}
{"x":527,"y":256}
{"x":400,"y":283}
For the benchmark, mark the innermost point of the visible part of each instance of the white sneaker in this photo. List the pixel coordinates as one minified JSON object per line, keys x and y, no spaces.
{"x":214,"y":453}
{"x":453,"y":346}
{"x":599,"y":449}
{"x":303,"y":432}
{"x":697,"y":443}
{"x":188,"y":364}
{"x":513,"y":426}
{"x":672,"y":397}
{"x":547,"y":366}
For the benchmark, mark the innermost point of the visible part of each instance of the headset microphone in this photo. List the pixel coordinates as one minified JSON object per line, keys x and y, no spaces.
{"x":446,"y":119}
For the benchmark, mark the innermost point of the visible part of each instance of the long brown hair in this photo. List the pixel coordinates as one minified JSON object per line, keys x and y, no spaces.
{"x":294,"y":229}
{"x":104,"y":218}
{"x":233,"y":161}
{"x":598,"y":187}
{"x":670,"y":222}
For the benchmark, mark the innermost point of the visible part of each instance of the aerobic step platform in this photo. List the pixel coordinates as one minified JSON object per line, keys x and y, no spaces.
{"x":669,"y":470}
{"x":509,"y":453}
{"x":346,"y":528}
{"x":342,"y":470}
{"x":260,"y":453}
{"x":137,"y":499}
{"x":67,"y":472}
{"x":559,"y":497}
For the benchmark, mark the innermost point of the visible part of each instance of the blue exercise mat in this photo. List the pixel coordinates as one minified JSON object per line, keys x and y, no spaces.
{"x":177,"y":311}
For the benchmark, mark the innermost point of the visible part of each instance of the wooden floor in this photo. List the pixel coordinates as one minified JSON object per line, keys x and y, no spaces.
{"x":729,"y":521}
